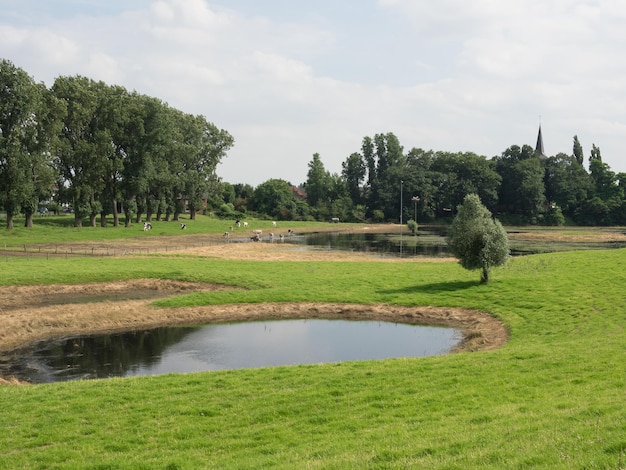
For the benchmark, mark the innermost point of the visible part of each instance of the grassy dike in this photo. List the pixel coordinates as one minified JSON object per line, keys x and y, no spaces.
{"x":553,"y":397}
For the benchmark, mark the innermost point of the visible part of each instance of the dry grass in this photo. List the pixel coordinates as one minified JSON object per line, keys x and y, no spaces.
{"x":288,"y":252}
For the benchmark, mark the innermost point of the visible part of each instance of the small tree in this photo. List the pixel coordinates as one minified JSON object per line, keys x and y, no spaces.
{"x":412,"y":225}
{"x":476,"y":239}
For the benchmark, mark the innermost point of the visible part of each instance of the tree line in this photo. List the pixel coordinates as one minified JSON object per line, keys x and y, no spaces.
{"x":521,"y":186}
{"x":101,"y":150}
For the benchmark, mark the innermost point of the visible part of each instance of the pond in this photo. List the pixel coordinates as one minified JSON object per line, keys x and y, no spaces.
{"x":229,"y":346}
{"x":430,"y":241}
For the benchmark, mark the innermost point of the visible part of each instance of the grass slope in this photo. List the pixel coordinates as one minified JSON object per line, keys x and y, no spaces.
{"x":553,"y":397}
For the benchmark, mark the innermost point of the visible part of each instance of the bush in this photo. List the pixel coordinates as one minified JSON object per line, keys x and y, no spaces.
{"x":554,"y":217}
{"x":226,"y":210}
{"x":378,"y":216}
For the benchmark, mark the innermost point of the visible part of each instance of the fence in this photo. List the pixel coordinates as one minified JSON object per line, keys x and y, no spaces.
{"x":67,"y":251}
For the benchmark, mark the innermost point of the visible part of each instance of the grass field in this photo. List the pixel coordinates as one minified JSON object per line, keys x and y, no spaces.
{"x":553,"y":397}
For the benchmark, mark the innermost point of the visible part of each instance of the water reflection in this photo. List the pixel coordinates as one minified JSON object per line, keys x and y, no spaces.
{"x":230,"y":346}
{"x":429,"y":242}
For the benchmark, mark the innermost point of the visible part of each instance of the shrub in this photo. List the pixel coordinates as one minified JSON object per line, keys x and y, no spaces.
{"x":476,"y":239}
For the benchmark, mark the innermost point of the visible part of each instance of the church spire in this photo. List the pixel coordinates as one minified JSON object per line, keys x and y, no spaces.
{"x":539,"y":147}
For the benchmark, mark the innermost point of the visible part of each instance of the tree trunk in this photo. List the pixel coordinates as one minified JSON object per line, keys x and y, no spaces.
{"x":192,"y":213}
{"x":116,"y":215}
{"x":28,"y":222}
{"x":103,"y":220}
{"x":9,"y":220}
{"x":77,"y":220}
{"x":484,"y":276}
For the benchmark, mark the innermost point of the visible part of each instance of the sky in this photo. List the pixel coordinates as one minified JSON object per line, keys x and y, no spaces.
{"x":291,"y":78}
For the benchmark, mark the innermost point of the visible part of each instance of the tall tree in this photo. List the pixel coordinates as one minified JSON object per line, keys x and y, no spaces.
{"x":604,"y":206}
{"x":522,"y":190}
{"x":113,"y":125}
{"x":578,"y":151}
{"x":147,"y":170}
{"x":389,"y":172}
{"x":83,"y":144}
{"x":29,"y":121}
{"x":317,"y":182}
{"x":567,"y":183}
{"x":274,"y":197}
{"x":353,"y":171}
{"x":203,"y":147}
{"x":459,"y":174}
{"x":595,"y":153}
{"x":419,"y":182}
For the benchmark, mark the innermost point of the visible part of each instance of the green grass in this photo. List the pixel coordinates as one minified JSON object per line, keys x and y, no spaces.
{"x":553,"y":397}
{"x":60,"y":229}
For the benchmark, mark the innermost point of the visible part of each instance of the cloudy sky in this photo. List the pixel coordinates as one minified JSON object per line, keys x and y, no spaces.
{"x":289,"y":78}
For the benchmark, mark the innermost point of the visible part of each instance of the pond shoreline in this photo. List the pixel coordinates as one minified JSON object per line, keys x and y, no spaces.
{"x":30,"y":315}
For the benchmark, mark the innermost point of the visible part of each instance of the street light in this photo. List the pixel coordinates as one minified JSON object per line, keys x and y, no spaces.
{"x":401,"y":182}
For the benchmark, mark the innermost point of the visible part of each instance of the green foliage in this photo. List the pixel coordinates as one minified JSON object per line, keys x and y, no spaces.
{"x":227,"y":211}
{"x":476,"y":239}
{"x":385,"y":164}
{"x":455,"y":175}
{"x":29,"y":125}
{"x":101,"y":145}
{"x":274,"y":198}
{"x":378,"y":216}
{"x":317,"y":182}
{"x":554,"y":216}
{"x":353,"y":171}
{"x":412,"y":225}
{"x":522,"y":190}
{"x":577,"y":150}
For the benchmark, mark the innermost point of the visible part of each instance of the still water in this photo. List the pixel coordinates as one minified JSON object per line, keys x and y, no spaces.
{"x":427,"y":243}
{"x":230,"y":346}
{"x":430,"y":241}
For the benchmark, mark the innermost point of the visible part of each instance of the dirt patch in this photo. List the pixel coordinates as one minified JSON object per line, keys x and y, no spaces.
{"x":608,"y":236}
{"x":287,"y":252}
{"x":29,"y":297}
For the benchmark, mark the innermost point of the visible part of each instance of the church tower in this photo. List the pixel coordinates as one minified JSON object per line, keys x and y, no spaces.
{"x":539,"y":147}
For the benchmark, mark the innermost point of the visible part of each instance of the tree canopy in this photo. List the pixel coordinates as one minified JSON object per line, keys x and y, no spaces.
{"x":104,"y":149}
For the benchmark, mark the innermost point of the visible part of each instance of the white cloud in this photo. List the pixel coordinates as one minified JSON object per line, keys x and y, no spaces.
{"x":448,"y":75}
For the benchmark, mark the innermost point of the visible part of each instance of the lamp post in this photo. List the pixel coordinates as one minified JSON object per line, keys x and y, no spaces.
{"x":401,"y":182}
